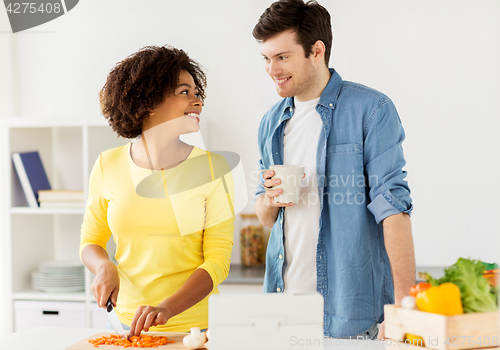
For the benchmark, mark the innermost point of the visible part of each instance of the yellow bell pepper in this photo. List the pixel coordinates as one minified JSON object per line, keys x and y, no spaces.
{"x":443,"y":299}
{"x":414,"y":340}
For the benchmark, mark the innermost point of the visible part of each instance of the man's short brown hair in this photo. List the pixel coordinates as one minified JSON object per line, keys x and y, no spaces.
{"x":139,"y":83}
{"x":310,"y":21}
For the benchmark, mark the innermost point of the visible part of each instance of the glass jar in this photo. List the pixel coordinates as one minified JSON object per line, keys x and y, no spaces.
{"x":252,"y":241}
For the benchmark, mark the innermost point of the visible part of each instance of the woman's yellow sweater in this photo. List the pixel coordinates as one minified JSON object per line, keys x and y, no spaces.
{"x":166,"y":224}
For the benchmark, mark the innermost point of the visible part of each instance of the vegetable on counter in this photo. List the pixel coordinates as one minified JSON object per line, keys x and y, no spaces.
{"x":428,"y":278}
{"x":414,"y":340}
{"x":476,"y":293}
{"x":409,"y":302}
{"x":491,"y":274}
{"x":443,"y":299}
{"x":492,"y":266}
{"x":419,"y":287}
{"x":144,"y":341}
{"x":195,"y":339}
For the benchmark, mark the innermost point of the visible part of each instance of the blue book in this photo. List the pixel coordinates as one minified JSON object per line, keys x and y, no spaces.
{"x":31,"y":174}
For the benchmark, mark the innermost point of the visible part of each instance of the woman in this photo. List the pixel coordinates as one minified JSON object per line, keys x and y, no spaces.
{"x":167,"y":204}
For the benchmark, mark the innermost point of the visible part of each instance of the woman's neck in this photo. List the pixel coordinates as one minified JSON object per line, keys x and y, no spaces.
{"x":160,"y":149}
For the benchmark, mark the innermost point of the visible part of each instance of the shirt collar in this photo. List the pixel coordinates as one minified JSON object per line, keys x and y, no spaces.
{"x":328,"y":97}
{"x":331,"y":91}
{"x":287,"y":111}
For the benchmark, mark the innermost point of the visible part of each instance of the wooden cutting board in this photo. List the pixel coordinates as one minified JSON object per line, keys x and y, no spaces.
{"x":178,"y":345}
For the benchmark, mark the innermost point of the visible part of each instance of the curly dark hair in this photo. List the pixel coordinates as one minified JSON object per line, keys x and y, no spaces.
{"x":139,"y":83}
{"x":310,"y":21}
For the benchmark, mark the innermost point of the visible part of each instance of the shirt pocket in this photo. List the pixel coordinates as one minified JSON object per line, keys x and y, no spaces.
{"x":344,"y":171}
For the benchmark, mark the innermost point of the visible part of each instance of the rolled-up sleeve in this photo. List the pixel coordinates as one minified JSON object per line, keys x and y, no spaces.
{"x":218,"y":234}
{"x":95,"y":228}
{"x":384,"y":161}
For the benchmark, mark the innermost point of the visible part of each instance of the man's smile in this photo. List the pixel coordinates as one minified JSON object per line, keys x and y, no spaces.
{"x":282,"y":81}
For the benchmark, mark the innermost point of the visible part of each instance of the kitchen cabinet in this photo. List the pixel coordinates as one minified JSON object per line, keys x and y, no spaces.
{"x":98,"y":316}
{"x":68,"y":149}
{"x":30,"y":314}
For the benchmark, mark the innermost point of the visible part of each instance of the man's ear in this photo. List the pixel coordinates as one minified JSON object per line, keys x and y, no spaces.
{"x":318,"y":51}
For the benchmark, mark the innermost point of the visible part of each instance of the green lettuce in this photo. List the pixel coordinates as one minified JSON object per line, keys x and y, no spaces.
{"x":475,"y":291}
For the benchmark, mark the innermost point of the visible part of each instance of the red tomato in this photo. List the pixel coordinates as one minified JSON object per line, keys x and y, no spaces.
{"x":419,"y":287}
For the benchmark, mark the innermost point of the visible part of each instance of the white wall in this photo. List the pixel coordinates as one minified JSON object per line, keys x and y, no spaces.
{"x":6,"y":66}
{"x":437,"y":60}
{"x":440,"y":63}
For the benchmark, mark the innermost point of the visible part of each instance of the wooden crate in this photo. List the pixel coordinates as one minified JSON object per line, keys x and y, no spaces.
{"x":466,"y":331}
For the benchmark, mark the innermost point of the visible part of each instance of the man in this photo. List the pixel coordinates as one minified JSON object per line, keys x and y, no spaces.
{"x":349,"y":237}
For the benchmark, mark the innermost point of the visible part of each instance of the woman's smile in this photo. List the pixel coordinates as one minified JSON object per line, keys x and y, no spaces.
{"x":194,"y":115}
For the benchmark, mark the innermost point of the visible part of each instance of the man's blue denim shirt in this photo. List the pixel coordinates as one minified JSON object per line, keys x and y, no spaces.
{"x":361,"y":181}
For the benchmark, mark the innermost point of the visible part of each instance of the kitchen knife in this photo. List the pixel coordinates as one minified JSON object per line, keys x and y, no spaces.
{"x":113,"y":317}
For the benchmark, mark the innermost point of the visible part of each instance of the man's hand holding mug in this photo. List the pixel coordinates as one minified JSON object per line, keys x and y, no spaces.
{"x":282,"y":184}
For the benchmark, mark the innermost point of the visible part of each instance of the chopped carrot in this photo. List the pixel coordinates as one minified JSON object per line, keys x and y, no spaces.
{"x":144,"y":341}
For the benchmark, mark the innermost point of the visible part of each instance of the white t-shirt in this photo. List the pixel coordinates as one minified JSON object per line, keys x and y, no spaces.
{"x":301,"y":138}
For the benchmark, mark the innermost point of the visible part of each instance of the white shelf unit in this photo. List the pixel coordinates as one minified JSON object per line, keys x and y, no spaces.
{"x":29,"y":236}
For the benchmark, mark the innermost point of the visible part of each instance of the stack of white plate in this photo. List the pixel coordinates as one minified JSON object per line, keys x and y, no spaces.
{"x":59,"y":277}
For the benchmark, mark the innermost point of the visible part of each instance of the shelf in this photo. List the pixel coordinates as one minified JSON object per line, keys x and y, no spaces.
{"x":31,"y":294}
{"x":29,"y":210}
{"x":69,"y":148}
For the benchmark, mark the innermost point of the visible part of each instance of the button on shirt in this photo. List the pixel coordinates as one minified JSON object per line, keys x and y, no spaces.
{"x":361,"y":181}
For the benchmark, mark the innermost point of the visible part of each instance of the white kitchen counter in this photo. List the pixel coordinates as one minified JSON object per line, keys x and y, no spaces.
{"x":54,"y":338}
{"x":46,"y":338}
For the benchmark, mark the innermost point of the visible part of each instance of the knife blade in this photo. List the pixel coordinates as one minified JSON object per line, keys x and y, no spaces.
{"x":113,"y":317}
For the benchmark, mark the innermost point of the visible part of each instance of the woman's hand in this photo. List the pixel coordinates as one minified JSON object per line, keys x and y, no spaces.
{"x":106,"y":284}
{"x":148,"y":316}
{"x":194,"y":290}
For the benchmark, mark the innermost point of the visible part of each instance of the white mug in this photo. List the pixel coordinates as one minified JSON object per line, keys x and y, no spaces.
{"x":291,"y":182}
